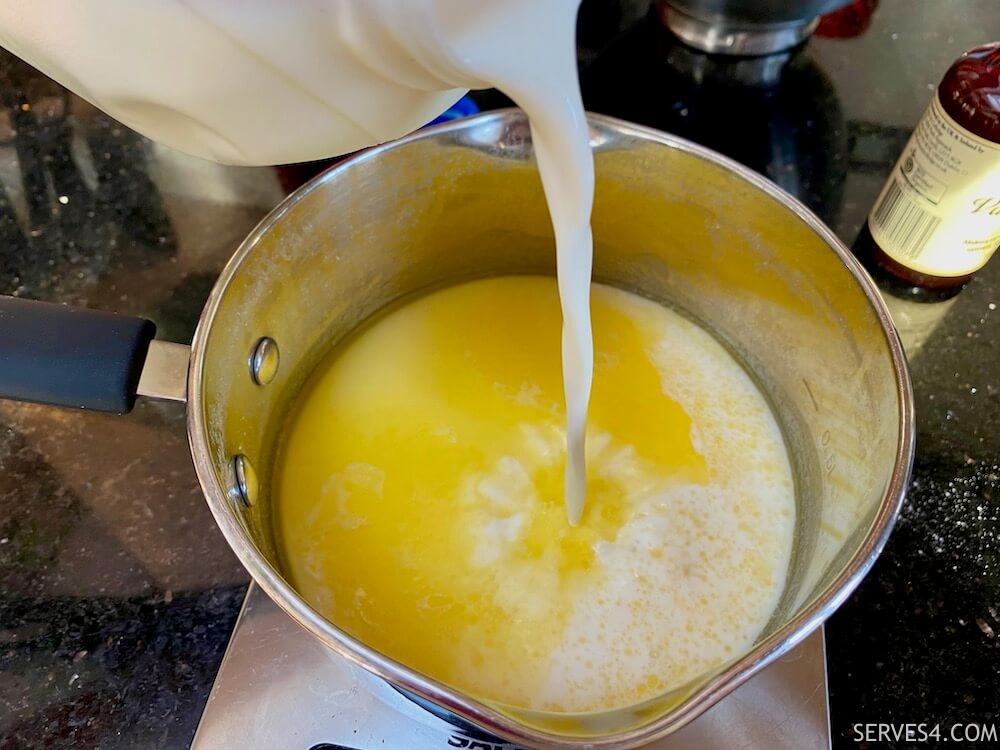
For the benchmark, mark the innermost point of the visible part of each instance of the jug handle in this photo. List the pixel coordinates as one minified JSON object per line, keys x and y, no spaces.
{"x":82,"y":358}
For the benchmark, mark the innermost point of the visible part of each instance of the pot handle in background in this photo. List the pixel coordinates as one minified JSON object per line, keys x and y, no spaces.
{"x":71,"y":356}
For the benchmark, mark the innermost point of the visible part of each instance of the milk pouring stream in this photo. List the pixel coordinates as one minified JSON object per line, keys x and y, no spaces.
{"x":264,"y":82}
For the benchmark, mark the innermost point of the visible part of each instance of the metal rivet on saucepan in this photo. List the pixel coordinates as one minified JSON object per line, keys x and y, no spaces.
{"x":264,"y":361}
{"x":247,"y":487}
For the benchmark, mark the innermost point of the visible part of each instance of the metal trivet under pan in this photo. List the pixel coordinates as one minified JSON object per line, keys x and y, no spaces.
{"x":279,"y":688}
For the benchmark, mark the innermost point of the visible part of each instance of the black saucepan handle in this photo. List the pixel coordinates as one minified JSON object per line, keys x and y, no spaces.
{"x":70,"y":356}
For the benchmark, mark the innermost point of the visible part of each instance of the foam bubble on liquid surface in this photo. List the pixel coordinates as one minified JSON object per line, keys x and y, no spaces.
{"x":460,"y":543}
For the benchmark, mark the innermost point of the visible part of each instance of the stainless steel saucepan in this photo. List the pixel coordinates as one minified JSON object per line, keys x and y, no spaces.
{"x":672,"y":221}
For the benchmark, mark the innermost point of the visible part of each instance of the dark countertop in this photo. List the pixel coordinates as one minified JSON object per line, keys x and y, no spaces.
{"x":117,"y":593}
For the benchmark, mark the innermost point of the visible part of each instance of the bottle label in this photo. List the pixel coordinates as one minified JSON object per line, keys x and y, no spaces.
{"x":939,"y":212}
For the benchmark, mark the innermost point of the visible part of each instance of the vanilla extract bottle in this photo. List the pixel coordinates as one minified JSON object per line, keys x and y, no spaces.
{"x":937,"y":219}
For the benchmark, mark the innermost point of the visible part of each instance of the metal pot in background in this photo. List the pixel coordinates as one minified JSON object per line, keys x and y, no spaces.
{"x":744,"y":27}
{"x":672,"y":221}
